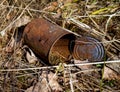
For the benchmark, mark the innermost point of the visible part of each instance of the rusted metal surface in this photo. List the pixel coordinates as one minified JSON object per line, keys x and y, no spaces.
{"x":54,"y":44}
{"x":88,"y":48}
{"x":42,"y":36}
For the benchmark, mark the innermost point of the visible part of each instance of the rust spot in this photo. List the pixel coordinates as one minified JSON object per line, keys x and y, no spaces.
{"x":60,"y":51}
{"x":42,"y":37}
{"x":88,"y":48}
{"x":54,"y":44}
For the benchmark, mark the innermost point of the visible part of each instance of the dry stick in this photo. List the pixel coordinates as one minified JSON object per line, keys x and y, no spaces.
{"x":3,"y":31}
{"x":71,"y":83}
{"x":86,"y":16}
{"x":48,"y":67}
{"x":30,"y":9}
{"x":7,"y":15}
{"x":73,"y":16}
{"x":42,"y":11}
{"x":76,"y":85}
{"x":2,"y":2}
{"x":85,"y":27}
{"x":87,"y":70}
{"x":110,"y":17}
{"x":115,"y":47}
{"x":85,"y":81}
{"x":96,"y":25}
{"x":97,"y":81}
{"x":26,"y":65}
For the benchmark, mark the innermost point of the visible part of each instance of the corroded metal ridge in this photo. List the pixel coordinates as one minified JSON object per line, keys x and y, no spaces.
{"x":50,"y":41}
{"x":88,"y":48}
{"x":41,"y":36}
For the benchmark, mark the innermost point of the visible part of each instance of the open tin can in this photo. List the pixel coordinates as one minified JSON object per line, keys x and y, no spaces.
{"x":48,"y":40}
{"x":54,"y":44}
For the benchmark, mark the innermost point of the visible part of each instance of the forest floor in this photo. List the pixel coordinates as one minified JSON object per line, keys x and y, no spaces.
{"x":21,"y":71}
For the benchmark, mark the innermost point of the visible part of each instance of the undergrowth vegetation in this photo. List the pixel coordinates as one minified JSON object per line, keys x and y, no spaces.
{"x":96,"y":18}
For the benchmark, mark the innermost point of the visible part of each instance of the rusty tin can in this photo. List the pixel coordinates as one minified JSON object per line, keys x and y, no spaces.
{"x":88,"y":48}
{"x":45,"y":39}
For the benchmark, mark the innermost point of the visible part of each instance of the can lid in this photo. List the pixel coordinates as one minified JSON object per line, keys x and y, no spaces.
{"x":88,"y":48}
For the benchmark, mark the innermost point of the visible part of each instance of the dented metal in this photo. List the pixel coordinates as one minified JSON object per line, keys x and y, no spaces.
{"x":46,"y":39}
{"x":41,"y":36}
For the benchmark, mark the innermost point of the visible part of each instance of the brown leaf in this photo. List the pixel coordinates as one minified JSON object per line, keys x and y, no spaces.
{"x":114,"y":66}
{"x":30,"y":56}
{"x":48,"y":84}
{"x":110,"y":74}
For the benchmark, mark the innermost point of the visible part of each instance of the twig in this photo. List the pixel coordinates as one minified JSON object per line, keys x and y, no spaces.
{"x":42,"y":11}
{"x":110,"y":17}
{"x":87,"y":70}
{"x":86,"y":16}
{"x":85,"y":27}
{"x":71,"y":83}
{"x":3,"y":31}
{"x":28,"y":9}
{"x":48,"y":67}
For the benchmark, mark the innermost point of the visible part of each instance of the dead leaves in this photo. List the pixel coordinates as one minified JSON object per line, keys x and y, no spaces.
{"x":110,"y":74}
{"x":48,"y":83}
{"x":112,"y":71}
{"x":30,"y":56}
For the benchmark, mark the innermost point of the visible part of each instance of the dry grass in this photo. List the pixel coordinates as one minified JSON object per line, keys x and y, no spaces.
{"x":103,"y":19}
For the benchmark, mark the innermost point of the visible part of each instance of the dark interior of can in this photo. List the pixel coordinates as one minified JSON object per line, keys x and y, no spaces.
{"x":62,"y":49}
{"x":17,"y":35}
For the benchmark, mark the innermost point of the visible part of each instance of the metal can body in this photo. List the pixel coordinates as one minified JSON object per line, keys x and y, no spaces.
{"x":41,"y":35}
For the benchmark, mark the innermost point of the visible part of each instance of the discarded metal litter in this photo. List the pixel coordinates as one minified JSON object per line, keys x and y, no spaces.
{"x":88,"y":48}
{"x":54,"y":44}
{"x":42,"y":37}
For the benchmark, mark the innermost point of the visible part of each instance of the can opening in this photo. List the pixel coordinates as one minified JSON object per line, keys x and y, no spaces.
{"x":61,"y":49}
